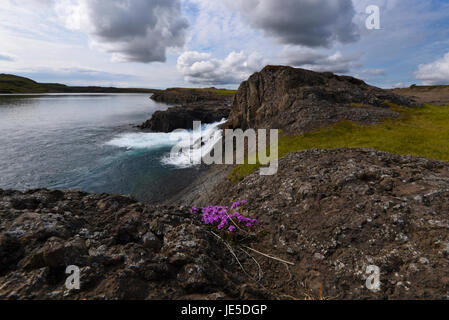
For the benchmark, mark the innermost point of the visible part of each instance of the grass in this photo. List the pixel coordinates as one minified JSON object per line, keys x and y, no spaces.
{"x":14,"y":84}
{"x":420,"y":132}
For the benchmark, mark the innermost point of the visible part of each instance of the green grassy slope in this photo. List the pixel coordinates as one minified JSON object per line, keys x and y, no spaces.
{"x":420,"y":132}
{"x":15,"y":84}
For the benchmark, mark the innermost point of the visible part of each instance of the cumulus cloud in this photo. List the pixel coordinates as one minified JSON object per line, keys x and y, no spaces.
{"x":434,"y":73}
{"x":135,"y":31}
{"x":202,"y":68}
{"x":317,"y":61}
{"x":311,"y":23}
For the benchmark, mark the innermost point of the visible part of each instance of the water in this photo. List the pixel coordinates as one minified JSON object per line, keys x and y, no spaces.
{"x":90,"y":142}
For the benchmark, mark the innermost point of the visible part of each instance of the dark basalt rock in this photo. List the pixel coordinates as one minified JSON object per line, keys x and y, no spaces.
{"x":203,"y":105}
{"x":298,"y":100}
{"x":124,"y":249}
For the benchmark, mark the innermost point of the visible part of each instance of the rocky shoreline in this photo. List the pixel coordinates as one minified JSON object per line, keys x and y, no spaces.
{"x":352,"y":208}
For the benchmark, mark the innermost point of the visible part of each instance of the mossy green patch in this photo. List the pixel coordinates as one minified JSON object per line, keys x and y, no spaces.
{"x":419,"y":132}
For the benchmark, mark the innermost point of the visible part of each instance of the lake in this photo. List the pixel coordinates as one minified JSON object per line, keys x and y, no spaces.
{"x":87,"y":141}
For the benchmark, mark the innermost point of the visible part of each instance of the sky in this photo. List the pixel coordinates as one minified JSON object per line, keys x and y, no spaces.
{"x":203,"y":43}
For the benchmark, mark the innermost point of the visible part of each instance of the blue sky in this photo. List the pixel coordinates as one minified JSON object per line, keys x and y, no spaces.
{"x":197,"y":43}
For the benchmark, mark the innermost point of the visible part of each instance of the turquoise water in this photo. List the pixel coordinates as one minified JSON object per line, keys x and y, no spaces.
{"x":64,"y":142}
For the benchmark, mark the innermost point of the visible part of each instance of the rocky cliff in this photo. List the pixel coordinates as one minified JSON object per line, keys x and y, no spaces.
{"x":298,"y":100}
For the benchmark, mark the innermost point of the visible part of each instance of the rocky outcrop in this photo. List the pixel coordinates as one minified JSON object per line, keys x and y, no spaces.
{"x":330,"y":212}
{"x":186,"y":96}
{"x":336,"y":212}
{"x":298,"y":100}
{"x":124,"y":249}
{"x":436,"y":95}
{"x":184,"y":116}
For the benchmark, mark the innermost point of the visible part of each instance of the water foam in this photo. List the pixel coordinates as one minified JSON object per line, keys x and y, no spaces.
{"x":187,"y":157}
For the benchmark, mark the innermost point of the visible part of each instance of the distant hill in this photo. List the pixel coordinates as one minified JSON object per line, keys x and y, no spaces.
{"x":437,"y":95}
{"x":14,"y":84}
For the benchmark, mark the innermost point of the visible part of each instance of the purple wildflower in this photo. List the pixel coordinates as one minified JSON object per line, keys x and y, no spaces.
{"x":220,"y":217}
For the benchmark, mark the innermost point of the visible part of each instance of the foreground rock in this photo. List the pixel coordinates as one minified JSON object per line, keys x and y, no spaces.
{"x":124,"y":249}
{"x":336,"y":212}
{"x":205,"y":105}
{"x":331,"y":213}
{"x":298,"y":100}
{"x":186,"y":96}
{"x":436,"y":95}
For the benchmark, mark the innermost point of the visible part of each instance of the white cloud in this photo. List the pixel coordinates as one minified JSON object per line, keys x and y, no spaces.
{"x":202,"y":68}
{"x":302,"y":22}
{"x":434,"y":73}
{"x":41,"y":40}
{"x":136,"y":31}
{"x":318,"y":61}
